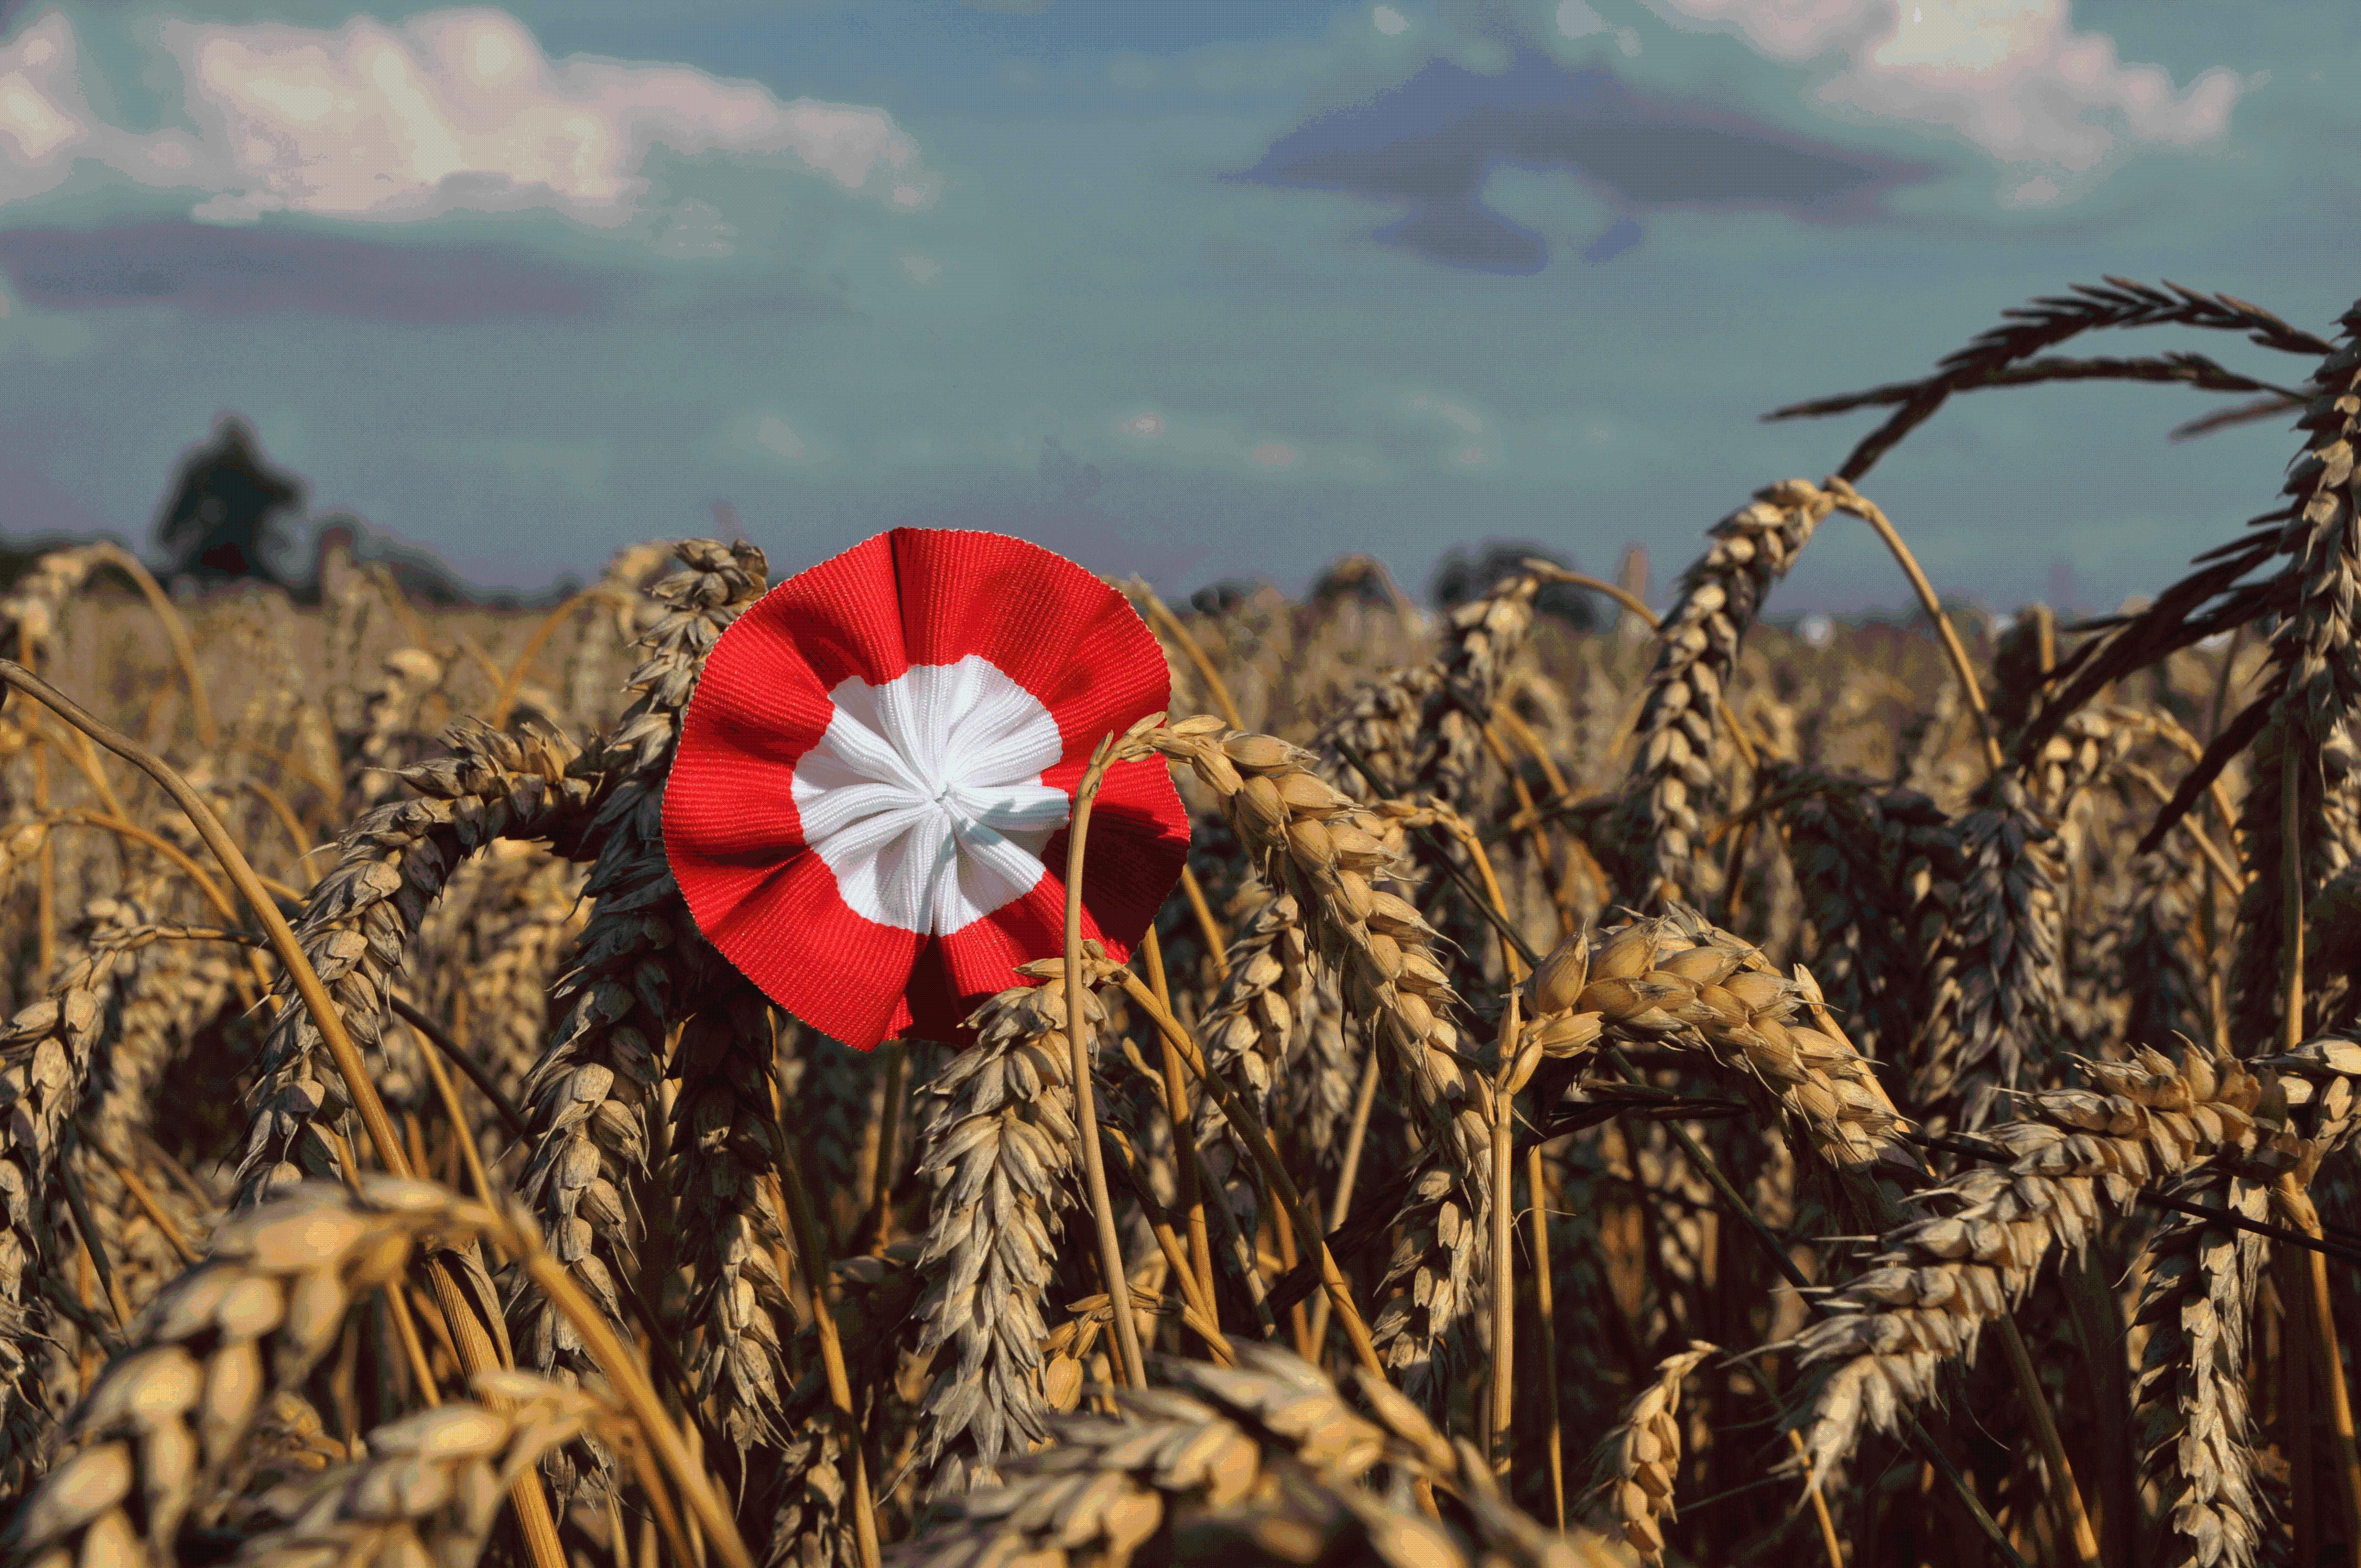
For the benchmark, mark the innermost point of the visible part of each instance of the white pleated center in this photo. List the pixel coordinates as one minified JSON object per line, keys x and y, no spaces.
{"x":925,"y":795}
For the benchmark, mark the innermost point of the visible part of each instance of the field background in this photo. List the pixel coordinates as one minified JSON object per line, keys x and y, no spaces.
{"x":1761,"y":605}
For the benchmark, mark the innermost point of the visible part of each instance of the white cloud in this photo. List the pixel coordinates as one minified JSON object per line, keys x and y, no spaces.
{"x":696,"y":230}
{"x":1228,"y":443}
{"x":1389,"y":21}
{"x":1458,"y":416}
{"x":921,"y":270}
{"x":1467,"y":439}
{"x":450,"y":111}
{"x":768,"y":436}
{"x":1576,"y":19}
{"x":47,"y":123}
{"x":2012,"y":76}
{"x":31,"y":118}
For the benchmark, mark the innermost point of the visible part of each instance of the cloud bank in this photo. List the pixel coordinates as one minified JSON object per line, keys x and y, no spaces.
{"x":2013,"y":77}
{"x":453,"y":111}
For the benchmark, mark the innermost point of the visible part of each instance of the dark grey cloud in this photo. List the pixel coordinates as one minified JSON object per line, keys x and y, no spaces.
{"x":1429,"y":144}
{"x":244,"y":271}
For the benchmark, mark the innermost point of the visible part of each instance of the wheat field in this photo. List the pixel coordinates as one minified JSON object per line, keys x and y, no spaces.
{"x":1665,"y":1091}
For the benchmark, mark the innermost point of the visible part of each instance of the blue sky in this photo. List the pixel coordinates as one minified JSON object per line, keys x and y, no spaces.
{"x":1196,"y":290}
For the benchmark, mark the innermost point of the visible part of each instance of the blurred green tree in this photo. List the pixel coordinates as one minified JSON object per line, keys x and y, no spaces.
{"x":223,"y":518}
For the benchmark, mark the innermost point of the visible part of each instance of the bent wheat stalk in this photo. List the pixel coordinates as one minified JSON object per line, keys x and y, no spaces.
{"x":1078,"y":1044}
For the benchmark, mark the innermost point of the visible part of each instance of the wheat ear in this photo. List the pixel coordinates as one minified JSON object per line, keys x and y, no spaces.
{"x":997,"y":1141}
{"x":1264,"y":1464}
{"x":47,"y":1048}
{"x":1673,"y":784}
{"x":170,"y":1410}
{"x":356,"y":926}
{"x":632,"y":971}
{"x":433,"y":1483}
{"x":1640,"y":1459}
{"x":1306,"y":839}
{"x":1939,"y":1280}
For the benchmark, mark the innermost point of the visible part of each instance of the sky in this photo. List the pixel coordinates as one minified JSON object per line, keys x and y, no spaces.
{"x":1202,"y":292}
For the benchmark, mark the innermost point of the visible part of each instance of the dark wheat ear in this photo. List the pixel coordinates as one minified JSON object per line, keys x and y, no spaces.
{"x":1672,"y":785}
{"x":631,"y":975}
{"x":49,"y":1049}
{"x":1997,"y":356}
{"x":2074,"y":1155}
{"x":2300,"y":809}
{"x":1993,"y":981}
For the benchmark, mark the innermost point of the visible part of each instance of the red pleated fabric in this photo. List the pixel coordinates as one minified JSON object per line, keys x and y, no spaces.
{"x":734,"y":830}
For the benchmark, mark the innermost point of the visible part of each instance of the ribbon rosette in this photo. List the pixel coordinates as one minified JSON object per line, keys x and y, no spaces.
{"x":867,"y":812}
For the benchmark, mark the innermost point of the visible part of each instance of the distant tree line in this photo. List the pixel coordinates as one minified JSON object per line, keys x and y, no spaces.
{"x":1461,"y":575}
{"x":229,"y":515}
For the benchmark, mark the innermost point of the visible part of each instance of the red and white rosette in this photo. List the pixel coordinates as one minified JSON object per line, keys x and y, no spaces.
{"x":867,"y":813}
